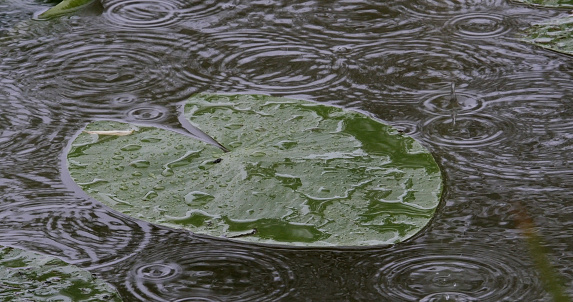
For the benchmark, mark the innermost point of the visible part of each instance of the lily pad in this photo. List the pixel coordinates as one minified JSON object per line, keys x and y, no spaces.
{"x":27,"y":276}
{"x":547,"y":3}
{"x":555,"y":34}
{"x":298,"y":173}
{"x":65,"y":7}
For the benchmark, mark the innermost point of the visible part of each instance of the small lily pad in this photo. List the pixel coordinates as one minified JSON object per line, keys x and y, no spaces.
{"x":554,"y":34}
{"x":28,"y":276}
{"x":298,"y":173}
{"x":547,"y":3}
{"x":65,"y":7}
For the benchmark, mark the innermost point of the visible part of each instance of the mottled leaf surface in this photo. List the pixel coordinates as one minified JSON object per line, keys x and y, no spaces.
{"x":298,"y":173}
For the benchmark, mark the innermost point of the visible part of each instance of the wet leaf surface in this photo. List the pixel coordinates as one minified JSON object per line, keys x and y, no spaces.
{"x":298,"y":173}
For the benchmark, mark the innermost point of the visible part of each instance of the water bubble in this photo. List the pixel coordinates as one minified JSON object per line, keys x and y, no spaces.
{"x":167,"y":172}
{"x":140,"y":164}
{"x":151,"y":140}
{"x":130,"y":147}
{"x":150,"y":195}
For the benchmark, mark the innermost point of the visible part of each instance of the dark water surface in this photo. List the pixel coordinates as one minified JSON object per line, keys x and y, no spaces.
{"x":507,"y":147}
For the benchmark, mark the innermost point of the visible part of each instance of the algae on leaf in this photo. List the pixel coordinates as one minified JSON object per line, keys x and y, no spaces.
{"x":298,"y":173}
{"x":27,"y":276}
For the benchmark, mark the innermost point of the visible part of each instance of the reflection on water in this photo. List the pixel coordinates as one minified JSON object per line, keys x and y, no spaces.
{"x":194,"y":268}
{"x":139,"y":59}
{"x":79,"y":231}
{"x":449,"y":273}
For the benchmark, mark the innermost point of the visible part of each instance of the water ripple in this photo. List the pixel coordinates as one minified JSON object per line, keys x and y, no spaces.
{"x":96,"y":65}
{"x":259,"y":61}
{"x":19,"y":135}
{"x":399,"y":70}
{"x":147,"y":113}
{"x":343,"y":22}
{"x":472,"y":273}
{"x":479,"y":25}
{"x":195,"y":271}
{"x":541,"y":146}
{"x":13,"y":112}
{"x":143,"y":13}
{"x":476,"y":130}
{"x":99,"y":74}
{"x":464,"y":102}
{"x":84,"y":233}
{"x":446,"y":8}
{"x":12,"y":12}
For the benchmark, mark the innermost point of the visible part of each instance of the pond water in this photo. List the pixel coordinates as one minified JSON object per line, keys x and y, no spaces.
{"x":506,"y":149}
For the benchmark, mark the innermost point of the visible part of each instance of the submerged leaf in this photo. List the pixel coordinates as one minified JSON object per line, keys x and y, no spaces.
{"x":27,"y":276}
{"x":65,"y":7}
{"x":298,"y":173}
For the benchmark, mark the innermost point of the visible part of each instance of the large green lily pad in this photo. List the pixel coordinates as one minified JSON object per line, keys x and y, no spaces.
{"x":27,"y":276}
{"x":298,"y":173}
